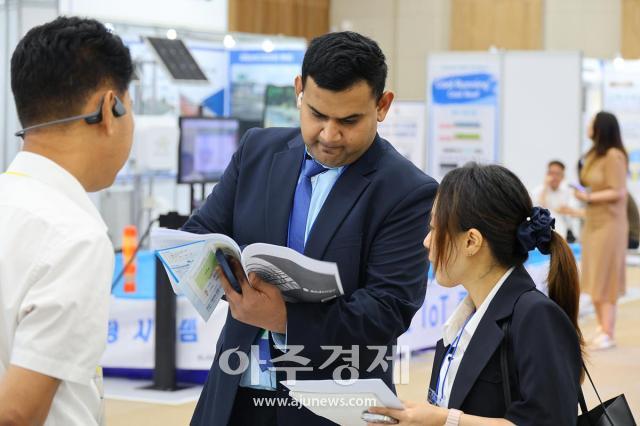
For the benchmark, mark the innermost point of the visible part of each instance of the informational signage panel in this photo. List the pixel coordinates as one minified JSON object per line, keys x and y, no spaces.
{"x":463,"y":109}
{"x":404,"y":128}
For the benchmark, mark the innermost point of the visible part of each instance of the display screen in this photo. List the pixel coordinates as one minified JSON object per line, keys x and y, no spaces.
{"x":280,"y":108}
{"x":206,"y":148}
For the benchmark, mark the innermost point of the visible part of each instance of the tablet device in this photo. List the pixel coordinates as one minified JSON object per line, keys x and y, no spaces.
{"x":228,"y":272}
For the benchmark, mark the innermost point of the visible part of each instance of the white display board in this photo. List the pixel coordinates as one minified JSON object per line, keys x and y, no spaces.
{"x":463,"y":104}
{"x":155,"y":145}
{"x":621,"y":96}
{"x":517,"y":108}
{"x":541,"y":113}
{"x":593,"y":84}
{"x":404,"y":128}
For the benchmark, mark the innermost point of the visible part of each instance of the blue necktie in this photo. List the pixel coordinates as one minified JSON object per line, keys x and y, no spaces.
{"x":264,"y":354}
{"x":297,"y":230}
{"x":301,"y":201}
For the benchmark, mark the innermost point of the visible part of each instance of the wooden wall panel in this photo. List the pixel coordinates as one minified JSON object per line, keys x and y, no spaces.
{"x":300,"y":18}
{"x":507,"y":24}
{"x":631,"y":29}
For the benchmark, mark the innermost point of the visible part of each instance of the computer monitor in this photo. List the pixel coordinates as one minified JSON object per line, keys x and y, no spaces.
{"x":206,"y":147}
{"x":280,"y":109}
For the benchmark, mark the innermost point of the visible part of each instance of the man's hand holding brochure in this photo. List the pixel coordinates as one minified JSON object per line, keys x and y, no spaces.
{"x":191,"y":264}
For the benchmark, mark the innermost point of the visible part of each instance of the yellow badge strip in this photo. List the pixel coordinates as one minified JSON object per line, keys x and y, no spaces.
{"x":16,"y":174}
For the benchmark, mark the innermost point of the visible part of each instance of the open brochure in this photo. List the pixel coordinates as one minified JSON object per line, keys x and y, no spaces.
{"x":190,"y":262}
{"x":342,"y":402}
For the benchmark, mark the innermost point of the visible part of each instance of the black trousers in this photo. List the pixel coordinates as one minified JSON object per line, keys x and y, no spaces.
{"x":246,"y":412}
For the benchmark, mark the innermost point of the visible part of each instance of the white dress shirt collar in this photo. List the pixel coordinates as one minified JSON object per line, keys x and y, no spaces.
{"x":465,"y":309}
{"x":49,"y":173}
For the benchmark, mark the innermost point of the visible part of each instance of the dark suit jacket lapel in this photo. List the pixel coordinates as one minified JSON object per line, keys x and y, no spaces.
{"x":343,"y":196}
{"x":281,"y":186}
{"x":488,"y":335}
{"x":437,"y":363}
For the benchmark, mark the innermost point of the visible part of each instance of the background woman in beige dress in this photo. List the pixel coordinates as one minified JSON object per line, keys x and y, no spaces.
{"x":605,"y":233}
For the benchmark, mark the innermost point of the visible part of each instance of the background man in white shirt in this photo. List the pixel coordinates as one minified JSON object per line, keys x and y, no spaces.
{"x":556,"y":195}
{"x":70,"y":81}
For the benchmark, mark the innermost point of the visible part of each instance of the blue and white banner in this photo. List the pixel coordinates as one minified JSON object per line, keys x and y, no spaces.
{"x":463,"y":93}
{"x":131,"y":334}
{"x":480,"y":88}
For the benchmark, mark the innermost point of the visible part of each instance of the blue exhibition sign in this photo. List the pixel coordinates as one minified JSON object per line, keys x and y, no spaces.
{"x":277,"y":57}
{"x":462,"y":89}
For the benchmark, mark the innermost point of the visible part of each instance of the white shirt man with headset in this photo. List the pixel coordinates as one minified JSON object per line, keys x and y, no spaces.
{"x":70,"y":81}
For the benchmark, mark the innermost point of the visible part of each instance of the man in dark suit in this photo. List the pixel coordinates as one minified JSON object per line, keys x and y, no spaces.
{"x":335,"y":191}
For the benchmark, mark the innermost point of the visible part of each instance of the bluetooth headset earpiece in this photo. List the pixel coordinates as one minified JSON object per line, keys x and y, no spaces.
{"x":118,"y":110}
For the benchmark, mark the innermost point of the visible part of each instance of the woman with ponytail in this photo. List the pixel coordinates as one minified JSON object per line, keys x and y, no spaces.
{"x":483,"y":226}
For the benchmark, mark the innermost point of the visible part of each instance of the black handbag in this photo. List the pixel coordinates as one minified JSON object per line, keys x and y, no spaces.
{"x":614,"y":412}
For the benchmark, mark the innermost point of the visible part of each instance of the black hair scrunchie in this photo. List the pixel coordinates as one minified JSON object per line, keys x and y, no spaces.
{"x":536,"y":231}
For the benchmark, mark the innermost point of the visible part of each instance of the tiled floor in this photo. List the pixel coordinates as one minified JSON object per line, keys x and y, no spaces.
{"x":614,"y":371}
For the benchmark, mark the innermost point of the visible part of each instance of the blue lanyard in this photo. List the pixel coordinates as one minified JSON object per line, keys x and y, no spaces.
{"x":448,"y":356}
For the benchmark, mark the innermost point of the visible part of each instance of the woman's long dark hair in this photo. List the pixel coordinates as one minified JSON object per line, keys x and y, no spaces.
{"x":606,"y":134}
{"x":494,"y":201}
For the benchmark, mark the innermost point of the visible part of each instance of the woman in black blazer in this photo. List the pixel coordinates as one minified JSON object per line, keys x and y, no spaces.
{"x":483,"y":225}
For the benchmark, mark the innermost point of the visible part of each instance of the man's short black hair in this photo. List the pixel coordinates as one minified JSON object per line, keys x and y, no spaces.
{"x":337,"y":61}
{"x":57,"y":66}
{"x":556,"y":163}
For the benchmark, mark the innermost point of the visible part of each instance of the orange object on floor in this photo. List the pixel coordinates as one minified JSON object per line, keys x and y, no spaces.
{"x":129,"y":243}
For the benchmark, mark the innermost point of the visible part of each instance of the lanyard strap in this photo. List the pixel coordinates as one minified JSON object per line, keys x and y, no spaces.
{"x":449,"y":355}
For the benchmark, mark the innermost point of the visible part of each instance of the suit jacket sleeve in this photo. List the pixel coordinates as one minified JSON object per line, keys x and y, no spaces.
{"x":216,"y":214}
{"x":548,"y":367}
{"x":393,"y":289}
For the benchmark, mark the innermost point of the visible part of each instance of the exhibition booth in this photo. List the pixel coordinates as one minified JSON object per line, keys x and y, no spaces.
{"x":520,"y":109}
